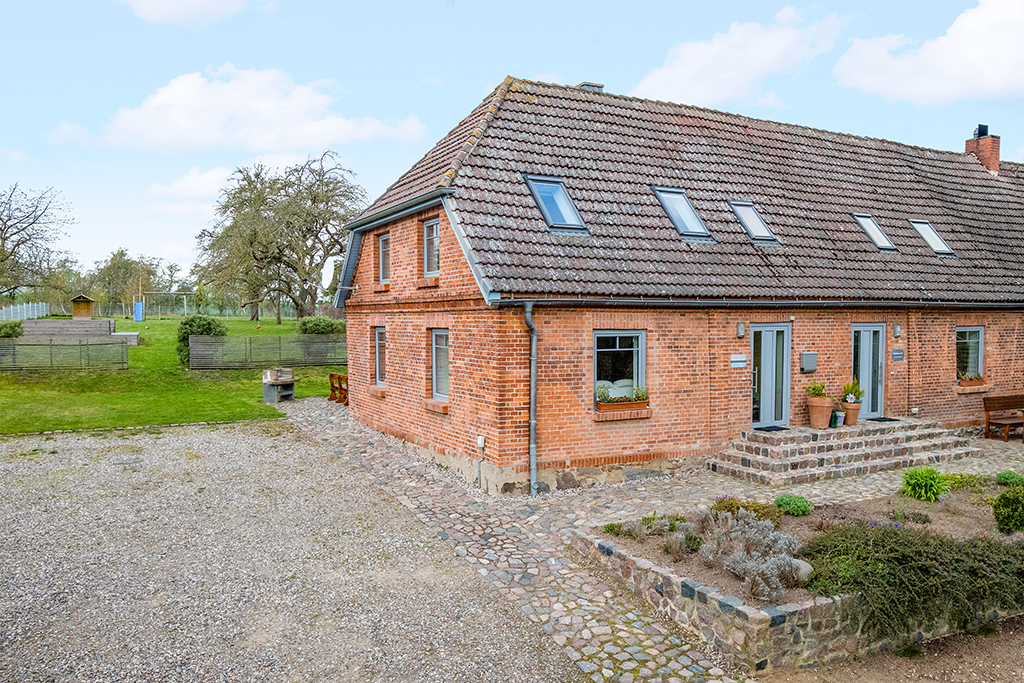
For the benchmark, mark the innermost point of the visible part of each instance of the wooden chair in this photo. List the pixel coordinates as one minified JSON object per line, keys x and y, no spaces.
{"x":1002,"y":404}
{"x":339,"y":388}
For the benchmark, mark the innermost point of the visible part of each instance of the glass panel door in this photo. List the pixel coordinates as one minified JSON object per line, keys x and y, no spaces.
{"x":769,"y":375}
{"x":869,"y":367}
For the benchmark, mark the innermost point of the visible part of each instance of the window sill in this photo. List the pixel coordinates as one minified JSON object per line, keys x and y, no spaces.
{"x":612,"y":416}
{"x":436,"y":406}
{"x":381,"y":287}
{"x":425,"y":282}
{"x":375,"y":391}
{"x":981,"y":389}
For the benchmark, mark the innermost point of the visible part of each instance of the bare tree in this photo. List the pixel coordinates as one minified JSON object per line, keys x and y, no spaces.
{"x":29,"y":224}
{"x":276,"y":232}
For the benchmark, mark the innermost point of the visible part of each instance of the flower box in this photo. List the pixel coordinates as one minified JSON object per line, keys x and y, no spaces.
{"x":622,"y":405}
{"x":972,"y":382}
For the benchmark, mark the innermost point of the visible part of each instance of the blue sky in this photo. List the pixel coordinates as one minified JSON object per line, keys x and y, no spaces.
{"x":137,"y":111}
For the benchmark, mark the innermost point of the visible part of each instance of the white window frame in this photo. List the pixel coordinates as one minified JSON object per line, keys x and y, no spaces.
{"x":759,"y":231}
{"x":931,"y":236}
{"x":692,"y":227}
{"x":577,"y":225}
{"x":434,"y":334}
{"x":379,"y":362}
{"x":640,"y":371}
{"x":981,"y":347}
{"x":431,"y":236}
{"x":384,"y":247}
{"x":871,"y":228}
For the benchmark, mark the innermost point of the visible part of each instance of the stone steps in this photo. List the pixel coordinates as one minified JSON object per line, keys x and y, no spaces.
{"x":800,"y":454}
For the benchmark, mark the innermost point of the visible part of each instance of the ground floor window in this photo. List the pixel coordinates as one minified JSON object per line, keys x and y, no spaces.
{"x":619,"y":358}
{"x":439,"y":364}
{"x":970,"y":349}
{"x":380,"y":350}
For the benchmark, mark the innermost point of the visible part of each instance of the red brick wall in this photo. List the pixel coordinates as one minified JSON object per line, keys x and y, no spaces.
{"x":698,"y":401}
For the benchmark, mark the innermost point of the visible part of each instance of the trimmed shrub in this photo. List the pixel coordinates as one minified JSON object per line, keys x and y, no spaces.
{"x":318,"y":324}
{"x":1009,"y":510}
{"x":1004,"y":478}
{"x":923,"y":483}
{"x":9,"y":329}
{"x":798,"y":506}
{"x":199,"y":325}
{"x":766,"y":511}
{"x":908,"y":574}
{"x":751,"y":549}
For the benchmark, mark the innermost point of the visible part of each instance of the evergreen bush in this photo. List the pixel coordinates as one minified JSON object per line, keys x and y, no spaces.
{"x":318,"y":324}
{"x":798,"y":506}
{"x":9,"y":329}
{"x":1004,"y":478}
{"x":198,"y":325}
{"x":1009,"y":510}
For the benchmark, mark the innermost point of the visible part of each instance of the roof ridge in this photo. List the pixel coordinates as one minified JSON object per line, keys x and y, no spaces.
{"x":497,"y":98}
{"x":682,"y":105}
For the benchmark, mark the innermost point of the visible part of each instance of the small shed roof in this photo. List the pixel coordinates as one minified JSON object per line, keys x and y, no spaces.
{"x":82,"y":298}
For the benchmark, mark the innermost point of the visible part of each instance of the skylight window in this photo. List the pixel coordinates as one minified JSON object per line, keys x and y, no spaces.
{"x":554,"y":203}
{"x":927,"y":232}
{"x":868,"y":225}
{"x":677,"y":206}
{"x":752,"y":221}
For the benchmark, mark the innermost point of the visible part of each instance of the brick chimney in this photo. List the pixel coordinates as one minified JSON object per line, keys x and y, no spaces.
{"x":985,"y":147}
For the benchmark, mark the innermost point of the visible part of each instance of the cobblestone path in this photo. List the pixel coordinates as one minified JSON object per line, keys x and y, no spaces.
{"x":517,"y":543}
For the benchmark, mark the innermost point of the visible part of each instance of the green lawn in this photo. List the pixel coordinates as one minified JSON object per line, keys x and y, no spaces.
{"x":156,"y":389}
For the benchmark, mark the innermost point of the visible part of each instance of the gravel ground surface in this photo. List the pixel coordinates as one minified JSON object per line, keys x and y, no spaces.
{"x":235,"y":553}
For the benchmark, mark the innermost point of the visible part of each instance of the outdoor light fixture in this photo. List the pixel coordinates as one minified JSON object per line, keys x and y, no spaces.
{"x":897,"y":331}
{"x":741,"y":329}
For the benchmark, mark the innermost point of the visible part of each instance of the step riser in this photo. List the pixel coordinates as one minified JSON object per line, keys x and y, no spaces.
{"x":791,"y":438}
{"x":817,"y":448}
{"x":818,"y":474}
{"x":829,"y":459}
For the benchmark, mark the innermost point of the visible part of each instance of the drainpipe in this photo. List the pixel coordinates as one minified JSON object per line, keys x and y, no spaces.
{"x":528,"y":307}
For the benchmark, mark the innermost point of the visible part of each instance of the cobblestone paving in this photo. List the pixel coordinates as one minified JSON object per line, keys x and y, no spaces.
{"x":518,"y":543}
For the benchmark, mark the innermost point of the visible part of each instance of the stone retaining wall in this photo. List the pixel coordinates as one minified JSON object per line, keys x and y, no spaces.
{"x":791,"y":636}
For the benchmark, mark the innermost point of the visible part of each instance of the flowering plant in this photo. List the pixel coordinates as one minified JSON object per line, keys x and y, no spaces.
{"x":852,"y":392}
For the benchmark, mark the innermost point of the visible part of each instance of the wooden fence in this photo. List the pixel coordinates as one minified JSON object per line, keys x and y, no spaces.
{"x":64,"y":353}
{"x":220,"y":353}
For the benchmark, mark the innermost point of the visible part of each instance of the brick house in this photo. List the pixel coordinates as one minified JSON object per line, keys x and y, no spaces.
{"x":707,"y":257}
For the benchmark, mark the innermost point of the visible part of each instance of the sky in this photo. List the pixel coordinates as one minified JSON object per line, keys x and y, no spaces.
{"x":138,"y":111}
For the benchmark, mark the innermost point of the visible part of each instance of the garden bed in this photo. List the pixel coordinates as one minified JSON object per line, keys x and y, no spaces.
{"x":797,"y":629}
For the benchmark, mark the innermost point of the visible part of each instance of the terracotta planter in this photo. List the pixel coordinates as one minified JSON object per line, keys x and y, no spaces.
{"x":820,"y":409}
{"x":622,"y":405}
{"x":852,"y":409}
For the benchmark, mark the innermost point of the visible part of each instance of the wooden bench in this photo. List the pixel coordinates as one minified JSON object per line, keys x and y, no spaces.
{"x":1002,"y":404}
{"x":339,"y":388}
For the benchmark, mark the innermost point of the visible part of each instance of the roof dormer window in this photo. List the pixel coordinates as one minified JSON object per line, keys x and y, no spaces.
{"x":554,"y":202}
{"x":928,"y":233}
{"x":752,"y":221}
{"x":679,"y":209}
{"x":870,"y":226}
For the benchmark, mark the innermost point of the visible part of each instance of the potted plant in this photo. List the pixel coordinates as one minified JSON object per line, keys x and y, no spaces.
{"x":818,"y":405}
{"x":638,"y":400}
{"x":966,"y":380}
{"x":852,"y":396}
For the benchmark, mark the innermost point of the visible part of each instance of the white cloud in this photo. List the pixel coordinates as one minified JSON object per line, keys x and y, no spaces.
{"x":185,"y":13}
{"x":550,"y":77}
{"x":772,"y":100}
{"x":249,"y":109}
{"x":69,"y":134}
{"x":732,"y":66}
{"x":12,"y":156}
{"x":193,"y":196}
{"x":980,"y":57}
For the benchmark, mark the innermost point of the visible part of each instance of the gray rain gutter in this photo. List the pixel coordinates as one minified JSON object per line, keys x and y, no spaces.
{"x":528,"y":307}
{"x":496,"y":300}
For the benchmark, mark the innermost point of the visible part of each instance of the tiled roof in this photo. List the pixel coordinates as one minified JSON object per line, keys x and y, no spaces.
{"x":609,"y":150}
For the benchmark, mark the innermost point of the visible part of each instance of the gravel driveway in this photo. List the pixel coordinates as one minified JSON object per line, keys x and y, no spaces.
{"x":235,"y":553}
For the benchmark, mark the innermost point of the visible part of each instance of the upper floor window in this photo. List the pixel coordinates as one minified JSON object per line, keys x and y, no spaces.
{"x":678,"y":207}
{"x":928,"y":233}
{"x":870,"y":226}
{"x":384,"y":258}
{"x":752,"y":221}
{"x":554,"y":202}
{"x":970,"y":352}
{"x":380,"y":351}
{"x":431,"y":248}
{"x":439,"y":364}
